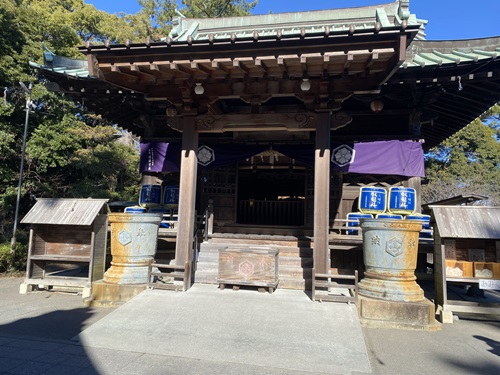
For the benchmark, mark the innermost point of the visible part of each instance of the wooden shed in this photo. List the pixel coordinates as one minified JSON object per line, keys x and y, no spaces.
{"x":67,"y":245}
{"x":466,"y":252}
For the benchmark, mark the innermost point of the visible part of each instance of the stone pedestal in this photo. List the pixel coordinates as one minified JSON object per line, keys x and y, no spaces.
{"x":112,"y":295}
{"x":389,"y":295}
{"x":394,"y":314}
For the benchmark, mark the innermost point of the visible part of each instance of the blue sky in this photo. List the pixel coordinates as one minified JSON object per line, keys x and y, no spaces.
{"x":448,"y":19}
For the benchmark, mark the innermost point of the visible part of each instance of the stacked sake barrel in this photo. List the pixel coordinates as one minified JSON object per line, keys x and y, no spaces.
{"x":399,"y":203}
{"x":154,"y":198}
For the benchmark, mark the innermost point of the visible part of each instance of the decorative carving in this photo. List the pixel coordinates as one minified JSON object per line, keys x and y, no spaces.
{"x":206,"y":122}
{"x":376,"y":240}
{"x":301,"y":119}
{"x":175,"y":123}
{"x":412,"y":243}
{"x":340,"y":119}
{"x":124,"y":237}
{"x":394,"y":247}
{"x":246,"y":268}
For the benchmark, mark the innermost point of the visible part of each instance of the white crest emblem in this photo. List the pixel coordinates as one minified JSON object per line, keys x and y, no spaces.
{"x":343,"y":155}
{"x":205,"y":155}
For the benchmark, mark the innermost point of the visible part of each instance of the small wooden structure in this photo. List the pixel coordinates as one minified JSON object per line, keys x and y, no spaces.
{"x":248,"y":266}
{"x":67,"y":246}
{"x":467,"y":252}
{"x":323,"y":284}
{"x":165,"y":276}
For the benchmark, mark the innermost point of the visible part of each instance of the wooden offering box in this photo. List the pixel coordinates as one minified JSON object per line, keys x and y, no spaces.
{"x":248,"y":266}
{"x":487,"y":270}
{"x":455,"y":268}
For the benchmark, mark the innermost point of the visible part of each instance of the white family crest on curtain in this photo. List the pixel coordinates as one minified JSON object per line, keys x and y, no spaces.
{"x":343,"y":155}
{"x":206,"y":155}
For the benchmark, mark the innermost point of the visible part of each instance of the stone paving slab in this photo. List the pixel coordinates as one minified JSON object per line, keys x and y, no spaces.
{"x":284,"y":330}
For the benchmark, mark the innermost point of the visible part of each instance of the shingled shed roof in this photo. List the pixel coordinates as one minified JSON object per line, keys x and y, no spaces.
{"x":473,"y":222}
{"x":62,"y":211}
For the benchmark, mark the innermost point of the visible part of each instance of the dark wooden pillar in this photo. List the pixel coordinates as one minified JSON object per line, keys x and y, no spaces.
{"x":415,"y":183}
{"x":187,"y":192}
{"x":322,"y":196}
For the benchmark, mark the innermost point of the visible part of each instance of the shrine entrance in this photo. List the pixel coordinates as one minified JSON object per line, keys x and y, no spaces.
{"x":271,"y":197}
{"x":271,"y":190}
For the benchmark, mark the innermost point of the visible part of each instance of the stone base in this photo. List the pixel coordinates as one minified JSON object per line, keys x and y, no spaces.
{"x":112,"y":295}
{"x":391,"y":314}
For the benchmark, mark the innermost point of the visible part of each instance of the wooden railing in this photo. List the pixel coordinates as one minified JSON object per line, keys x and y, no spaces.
{"x":271,"y":212}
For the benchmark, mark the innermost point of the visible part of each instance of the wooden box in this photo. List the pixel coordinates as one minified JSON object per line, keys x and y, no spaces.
{"x":487,"y":270}
{"x":248,"y":266}
{"x":455,"y":268}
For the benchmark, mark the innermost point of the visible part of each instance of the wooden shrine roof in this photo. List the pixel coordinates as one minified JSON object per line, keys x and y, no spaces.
{"x":257,"y":64}
{"x":473,"y":222}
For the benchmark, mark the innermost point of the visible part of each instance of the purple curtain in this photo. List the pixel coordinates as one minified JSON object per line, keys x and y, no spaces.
{"x":404,"y":158}
{"x":160,"y":157}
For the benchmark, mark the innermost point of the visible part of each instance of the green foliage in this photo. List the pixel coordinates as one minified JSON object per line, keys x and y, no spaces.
{"x":7,"y":264}
{"x":69,"y":152}
{"x":466,"y":163}
{"x":217,"y":8}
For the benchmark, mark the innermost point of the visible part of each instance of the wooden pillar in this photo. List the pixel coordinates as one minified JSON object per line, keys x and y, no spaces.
{"x":187,"y":192}
{"x":322,"y":196}
{"x":415,"y":183}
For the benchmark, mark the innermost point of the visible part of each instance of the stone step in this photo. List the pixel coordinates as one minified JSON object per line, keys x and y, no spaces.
{"x":295,"y":272}
{"x":294,"y":261}
{"x":205,"y":277}
{"x":207,"y":247}
{"x":294,"y":283}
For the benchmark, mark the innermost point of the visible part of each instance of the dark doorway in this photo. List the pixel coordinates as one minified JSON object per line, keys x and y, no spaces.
{"x":271,"y":197}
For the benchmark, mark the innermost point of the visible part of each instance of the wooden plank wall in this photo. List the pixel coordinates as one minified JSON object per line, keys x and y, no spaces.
{"x":62,"y":240}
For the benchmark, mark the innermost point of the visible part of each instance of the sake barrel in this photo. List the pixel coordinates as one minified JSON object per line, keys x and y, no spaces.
{"x":402,"y":200}
{"x":387,"y":215}
{"x":372,"y":200}
{"x":150,"y":195}
{"x":171,"y":196}
{"x":134,"y":210}
{"x":426,"y":223}
{"x":353,"y":220}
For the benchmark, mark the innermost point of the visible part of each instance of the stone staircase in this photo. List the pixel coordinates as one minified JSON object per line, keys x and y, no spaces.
{"x":295,"y":259}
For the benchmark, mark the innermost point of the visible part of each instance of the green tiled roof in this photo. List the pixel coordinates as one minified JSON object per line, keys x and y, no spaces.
{"x":442,"y":53}
{"x":63,"y":65}
{"x":362,"y":18}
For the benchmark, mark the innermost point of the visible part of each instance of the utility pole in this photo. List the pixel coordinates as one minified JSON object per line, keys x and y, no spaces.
{"x":23,"y":151}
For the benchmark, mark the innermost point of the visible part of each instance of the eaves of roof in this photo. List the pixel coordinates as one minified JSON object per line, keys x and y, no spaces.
{"x":426,"y":53}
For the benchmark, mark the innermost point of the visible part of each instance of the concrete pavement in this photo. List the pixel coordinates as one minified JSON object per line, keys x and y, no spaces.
{"x":208,"y":331}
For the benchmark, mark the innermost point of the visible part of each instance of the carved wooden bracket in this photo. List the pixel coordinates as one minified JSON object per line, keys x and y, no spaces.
{"x":291,"y":122}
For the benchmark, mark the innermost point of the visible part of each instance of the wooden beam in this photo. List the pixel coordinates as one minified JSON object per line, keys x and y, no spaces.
{"x":399,"y":57}
{"x":256,"y":122}
{"x":187,"y":193}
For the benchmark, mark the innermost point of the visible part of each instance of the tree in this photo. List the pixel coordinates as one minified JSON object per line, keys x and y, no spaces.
{"x":217,"y":8}
{"x":467,"y":163}
{"x":55,"y":164}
